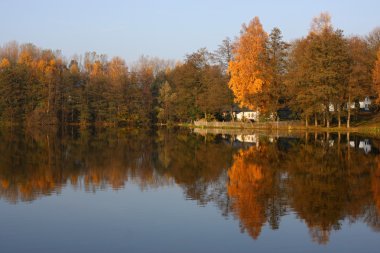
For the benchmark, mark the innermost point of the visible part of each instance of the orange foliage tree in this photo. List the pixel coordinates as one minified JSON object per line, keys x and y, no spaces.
{"x":246,"y":69}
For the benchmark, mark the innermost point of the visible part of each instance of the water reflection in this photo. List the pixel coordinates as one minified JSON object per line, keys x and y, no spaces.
{"x":324,"y":179}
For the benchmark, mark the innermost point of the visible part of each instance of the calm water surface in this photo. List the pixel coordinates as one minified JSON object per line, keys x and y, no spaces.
{"x":180,"y":191}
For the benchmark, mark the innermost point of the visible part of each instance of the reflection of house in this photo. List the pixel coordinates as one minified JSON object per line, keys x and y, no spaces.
{"x":249,"y":138}
{"x":365,"y":145}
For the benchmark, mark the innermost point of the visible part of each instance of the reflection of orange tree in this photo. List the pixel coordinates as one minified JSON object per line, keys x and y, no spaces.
{"x":246,"y":179}
{"x":324,"y":185}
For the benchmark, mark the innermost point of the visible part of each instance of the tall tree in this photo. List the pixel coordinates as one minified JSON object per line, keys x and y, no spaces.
{"x":277,"y":53}
{"x":223,"y":56}
{"x":319,"y":71}
{"x":360,"y":83}
{"x":376,"y":76}
{"x":373,"y":40}
{"x":246,"y":68}
{"x":166,"y":102}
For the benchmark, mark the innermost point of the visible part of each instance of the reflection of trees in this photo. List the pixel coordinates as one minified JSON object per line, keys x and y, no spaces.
{"x":323,"y":184}
{"x":327,"y":185}
{"x":245,"y":188}
{"x":374,"y":219}
{"x":197,"y":165}
{"x":39,"y":164}
{"x":255,"y":186}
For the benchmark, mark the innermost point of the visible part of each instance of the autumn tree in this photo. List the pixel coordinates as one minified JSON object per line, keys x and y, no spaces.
{"x":247,"y":81}
{"x":246,"y":69}
{"x":373,"y":40}
{"x":376,"y":76}
{"x":201,"y":87}
{"x":319,"y":70}
{"x":359,"y":83}
{"x":275,"y":70}
{"x":166,"y":102}
{"x":223,"y":56}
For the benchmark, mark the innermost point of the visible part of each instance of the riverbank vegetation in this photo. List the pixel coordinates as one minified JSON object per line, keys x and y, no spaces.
{"x":319,"y":78}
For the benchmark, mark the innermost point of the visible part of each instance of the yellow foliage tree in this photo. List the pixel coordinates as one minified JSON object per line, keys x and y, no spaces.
{"x":4,"y":63}
{"x":246,"y":68}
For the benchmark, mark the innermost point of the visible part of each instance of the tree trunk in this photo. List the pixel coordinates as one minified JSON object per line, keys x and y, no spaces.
{"x":315,"y":120}
{"x":327,"y":119}
{"x":307,"y":121}
{"x":348,"y":147}
{"x":349,"y":111}
{"x":232,"y":114}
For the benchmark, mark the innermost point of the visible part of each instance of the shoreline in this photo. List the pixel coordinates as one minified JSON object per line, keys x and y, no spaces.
{"x":241,"y":128}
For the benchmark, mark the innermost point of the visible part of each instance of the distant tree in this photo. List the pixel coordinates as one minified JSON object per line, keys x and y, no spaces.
{"x":13,"y":90}
{"x":373,"y":40}
{"x":224,"y":54}
{"x":166,"y":101}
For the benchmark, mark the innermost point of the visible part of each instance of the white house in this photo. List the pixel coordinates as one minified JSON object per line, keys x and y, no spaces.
{"x":364,"y":105}
{"x":248,"y":115}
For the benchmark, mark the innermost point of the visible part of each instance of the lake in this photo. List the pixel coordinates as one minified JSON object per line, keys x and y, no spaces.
{"x":182,"y":190}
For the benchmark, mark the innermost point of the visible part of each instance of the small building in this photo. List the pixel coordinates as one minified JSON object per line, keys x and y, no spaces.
{"x":364,"y":105}
{"x":247,"y":115}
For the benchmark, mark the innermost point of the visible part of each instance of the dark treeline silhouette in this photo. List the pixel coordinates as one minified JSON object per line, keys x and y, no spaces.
{"x":325,"y":179}
{"x":315,"y":77}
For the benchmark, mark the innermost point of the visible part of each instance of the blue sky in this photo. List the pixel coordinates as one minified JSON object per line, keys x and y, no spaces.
{"x":166,"y":28}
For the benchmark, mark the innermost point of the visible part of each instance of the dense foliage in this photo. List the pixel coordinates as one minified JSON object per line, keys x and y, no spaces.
{"x":315,"y":77}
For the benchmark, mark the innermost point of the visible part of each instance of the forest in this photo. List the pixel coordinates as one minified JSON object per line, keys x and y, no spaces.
{"x":320,"y":78}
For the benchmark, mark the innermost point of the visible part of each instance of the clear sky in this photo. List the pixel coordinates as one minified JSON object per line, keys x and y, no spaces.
{"x":166,"y":28}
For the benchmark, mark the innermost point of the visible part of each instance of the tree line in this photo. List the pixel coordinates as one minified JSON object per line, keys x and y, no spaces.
{"x":318,"y":77}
